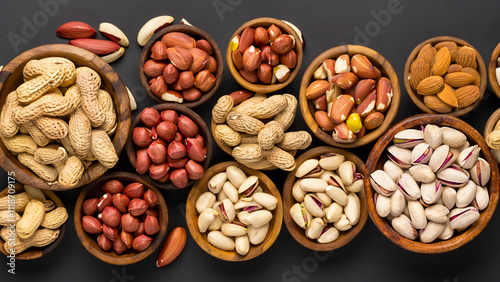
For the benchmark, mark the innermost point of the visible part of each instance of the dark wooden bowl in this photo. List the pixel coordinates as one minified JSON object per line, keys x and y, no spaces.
{"x":12,"y":76}
{"x":307,"y":108}
{"x":196,"y":33}
{"x":265,"y":88}
{"x":378,"y":157}
{"x":288,"y":201}
{"x":418,"y":99}
{"x":492,"y":70}
{"x":34,"y":253}
{"x":89,"y":241}
{"x":201,"y":239}
{"x":202,"y":130}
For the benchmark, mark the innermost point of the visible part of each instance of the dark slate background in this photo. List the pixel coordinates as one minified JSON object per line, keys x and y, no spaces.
{"x":392,"y":27}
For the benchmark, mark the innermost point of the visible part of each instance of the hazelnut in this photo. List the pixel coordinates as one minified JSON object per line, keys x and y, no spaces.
{"x":169,"y":115}
{"x":205,"y":46}
{"x":176,"y":150}
{"x":191,"y":94}
{"x":179,"y":177}
{"x":127,"y":238}
{"x":129,"y":223}
{"x":137,"y":206}
{"x":134,"y":190}
{"x":151,"y":225}
{"x":104,"y":201}
{"x":153,"y":68}
{"x":121,"y":201}
{"x":261,"y":36}
{"x":178,"y":163}
{"x":104,"y":243}
{"x":166,"y":130}
{"x":159,"y":51}
{"x":250,"y":76}
{"x":204,"y":80}
{"x":282,"y":44}
{"x":150,"y":117}
{"x":187,"y":126}
{"x":119,"y":247}
{"x":90,"y":206}
{"x":178,"y":137}
{"x":157,"y":151}
{"x":170,"y":74}
{"x":158,"y":172}
{"x":158,"y":86}
{"x":91,"y":224}
{"x":111,"y":216}
{"x":151,"y":198}
{"x":186,"y":79}
{"x":195,"y":150}
{"x":200,"y":58}
{"x":141,"y":136}
{"x":265,"y":73}
{"x":194,"y":170}
{"x":269,"y":56}
{"x":274,"y":32}
{"x":289,"y":59}
{"x":110,"y":232}
{"x":140,"y":229}
{"x":211,"y":64}
{"x":143,"y":162}
{"x":113,"y":186}
{"x":141,"y":242}
{"x":180,"y":57}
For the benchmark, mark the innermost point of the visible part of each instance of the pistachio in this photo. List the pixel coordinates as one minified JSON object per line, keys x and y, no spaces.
{"x":233,"y":229}
{"x":259,"y":218}
{"x":441,"y":158}
{"x":300,"y":215}
{"x":226,"y":210}
{"x":315,"y":228}
{"x":333,"y":180}
{"x":256,"y":235}
{"x":408,"y":138}
{"x":382,"y":183}
{"x":221,"y":196}
{"x":453,"y":176}
{"x":313,"y":185}
{"x":421,"y":154}
{"x":417,"y":214}
{"x":247,"y":188}
{"x":382,"y":205}
{"x":333,"y":212}
{"x":461,"y":218}
{"x":466,"y":194}
{"x":216,"y":182}
{"x":431,"y":231}
{"x":235,"y":175}
{"x":343,"y":224}
{"x":480,"y":172}
{"x":431,"y":192}
{"x":230,"y":191}
{"x":403,"y":225}
{"x":422,"y":173}
{"x":393,"y":170}
{"x":328,"y":235}
{"x":400,"y":156}
{"x":449,"y":197}
{"x":324,"y":198}
{"x":268,"y":201}
{"x":447,"y":232}
{"x":409,"y":187}
{"x":346,"y":172}
{"x":243,"y":217}
{"x":242,"y":245}
{"x":221,"y":241}
{"x":468,"y":157}
{"x":331,"y":161}
{"x":216,"y":224}
{"x":297,"y":192}
{"x":206,"y":218}
{"x":353,"y":208}
{"x":314,"y":205}
{"x":433,"y":135}
{"x":482,"y":198}
{"x":357,"y":185}
{"x":309,"y":168}
{"x":337,"y":194}
{"x":248,"y":206}
{"x":205,"y":201}
{"x":437,"y":213}
{"x":398,"y":203}
{"x":453,"y":137}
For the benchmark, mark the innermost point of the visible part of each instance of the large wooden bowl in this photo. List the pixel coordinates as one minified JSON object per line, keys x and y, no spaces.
{"x":307,"y":108}
{"x":265,"y":88}
{"x":378,"y":157}
{"x":201,"y":239}
{"x":203,"y":130}
{"x":89,"y":241}
{"x":418,"y":99}
{"x":195,"y":33}
{"x":288,"y":201}
{"x":11,"y":77}
{"x":492,"y":77}
{"x":34,"y":253}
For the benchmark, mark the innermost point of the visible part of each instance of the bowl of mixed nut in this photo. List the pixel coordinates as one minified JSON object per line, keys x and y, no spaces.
{"x":494,"y":70}
{"x":431,"y":184}
{"x":349,"y":96}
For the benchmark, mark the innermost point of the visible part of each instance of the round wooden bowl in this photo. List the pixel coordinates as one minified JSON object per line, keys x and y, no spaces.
{"x":265,"y":88}
{"x":196,"y":33}
{"x":492,"y":77}
{"x":34,"y":253}
{"x":418,"y":99}
{"x":89,"y":241}
{"x":202,"y":130}
{"x":492,"y":121}
{"x":378,"y":157}
{"x":11,"y":77}
{"x":307,"y":108}
{"x":201,"y":239}
{"x":288,"y":201}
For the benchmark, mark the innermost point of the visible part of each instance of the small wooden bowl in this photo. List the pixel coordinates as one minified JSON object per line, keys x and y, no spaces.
{"x":307,"y":108}
{"x":202,"y":130}
{"x":12,"y":76}
{"x":288,"y":201}
{"x":418,"y":99}
{"x":196,"y":33}
{"x":492,"y":77}
{"x":89,"y":241}
{"x":34,"y":253}
{"x":378,"y":157}
{"x":201,"y":239}
{"x":265,"y":88}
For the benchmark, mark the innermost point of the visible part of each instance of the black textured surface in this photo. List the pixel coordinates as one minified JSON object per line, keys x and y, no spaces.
{"x":391,"y":27}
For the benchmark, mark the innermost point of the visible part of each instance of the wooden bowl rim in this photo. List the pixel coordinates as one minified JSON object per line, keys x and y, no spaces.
{"x":492,"y":121}
{"x":456,"y":241}
{"x":202,"y":130}
{"x":122,"y":105}
{"x":298,"y":233}
{"x":416,"y":97}
{"x":492,"y":66}
{"x":192,"y":30}
{"x":387,"y":70}
{"x":265,"y":88}
{"x":34,"y":253}
{"x":130,"y":256}
{"x":274,"y":228}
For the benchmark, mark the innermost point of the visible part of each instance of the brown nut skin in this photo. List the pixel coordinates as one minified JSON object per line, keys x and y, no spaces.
{"x":134,"y":190}
{"x":158,"y":85}
{"x":274,"y":32}
{"x":119,"y":247}
{"x":289,"y":59}
{"x":186,"y":126}
{"x":250,"y":76}
{"x":261,"y":37}
{"x":194,"y":170}
{"x":176,"y":150}
{"x":251,"y":58}
{"x":159,"y":51}
{"x":158,"y":172}
{"x":204,"y":45}
{"x":237,"y":57}
{"x":240,"y":96}
{"x":169,"y":115}
{"x":180,"y":57}
{"x":111,"y":216}
{"x":151,"y":225}
{"x":246,"y":39}
{"x":151,"y":198}
{"x":104,"y":243}
{"x":179,"y":177}
{"x":186,"y":79}
{"x":204,"y":80}
{"x":150,"y":212}
{"x":140,"y":230}
{"x":282,"y":44}
{"x":91,"y":225}
{"x":104,"y":201}
{"x":173,"y":247}
{"x":153,"y":68}
{"x":143,"y":161}
{"x":166,"y":130}
{"x":110,"y":232}
{"x":113,"y":186}
{"x":141,"y":137}
{"x":170,"y":73}
{"x":141,"y":242}
{"x":269,"y":56}
{"x":196,"y":150}
{"x":211,"y":64}
{"x":157,"y":151}
{"x":265,"y":73}
{"x":126,"y":238}
{"x":129,"y":223}
{"x":177,"y":163}
{"x":120,"y":201}
{"x":179,"y":137}
{"x":137,"y":207}
{"x":150,"y":117}
{"x":89,"y":207}
{"x":191,"y":94}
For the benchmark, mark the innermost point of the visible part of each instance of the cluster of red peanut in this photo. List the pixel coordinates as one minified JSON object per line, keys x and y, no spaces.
{"x":170,"y":147}
{"x":128,"y":208}
{"x":179,"y":63}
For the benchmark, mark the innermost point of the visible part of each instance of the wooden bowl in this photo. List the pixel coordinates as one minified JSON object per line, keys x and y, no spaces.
{"x":492,"y":121}
{"x":202,"y":130}
{"x":418,"y":99}
{"x":288,"y":201}
{"x":89,"y":241}
{"x":12,"y":76}
{"x":307,"y":108}
{"x":196,"y":33}
{"x":34,"y":253}
{"x":265,"y":88}
{"x":492,"y":77}
{"x":378,"y":157}
{"x":201,"y":239}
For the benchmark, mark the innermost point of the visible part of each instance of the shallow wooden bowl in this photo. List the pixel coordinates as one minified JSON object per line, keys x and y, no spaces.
{"x":196,"y":33}
{"x":418,"y":99}
{"x":265,"y":88}
{"x":89,"y":241}
{"x":201,"y":239}
{"x":307,"y":108}
{"x":378,"y":157}
{"x":492,"y":78}
{"x":202,"y":130}
{"x":288,"y":201}
{"x":12,"y":76}
{"x":34,"y":253}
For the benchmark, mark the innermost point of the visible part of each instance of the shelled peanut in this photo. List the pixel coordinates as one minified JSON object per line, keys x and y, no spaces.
{"x":59,"y":121}
{"x":446,"y":75}
{"x":34,"y":221}
{"x":235,"y":211}
{"x":493,"y":141}
{"x":326,"y":195}
{"x":256,"y":127}
{"x":350,"y":96}
{"x":181,"y":68}
{"x":123,"y":217}
{"x":169,"y":147}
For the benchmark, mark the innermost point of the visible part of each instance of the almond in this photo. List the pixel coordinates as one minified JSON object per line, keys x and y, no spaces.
{"x":345,"y":80}
{"x":96,"y":46}
{"x":179,"y":39}
{"x":362,"y":67}
{"x":261,"y":37}
{"x":452,"y":47}
{"x":170,"y":73}
{"x":153,"y":68}
{"x":363,"y":88}
{"x":247,"y":39}
{"x":436,"y":104}
{"x":180,"y":57}
{"x":454,"y":68}
{"x":75,"y":29}
{"x":384,"y":94}
{"x":317,"y":88}
{"x":200,"y":58}
{"x":474,"y":73}
{"x":467,"y":95}
{"x":373,"y":120}
{"x":447,"y":95}
{"x":441,"y":62}
{"x":204,"y":80}
{"x":458,"y":79}
{"x":341,"y":108}
{"x":251,"y":58}
{"x":173,"y":247}
{"x":324,"y":120}
{"x":427,"y":53}
{"x":368,"y":104}
{"x":419,"y":70}
{"x":343,"y":64}
{"x":430,"y":85}
{"x":466,"y":57}
{"x":282,"y":44}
